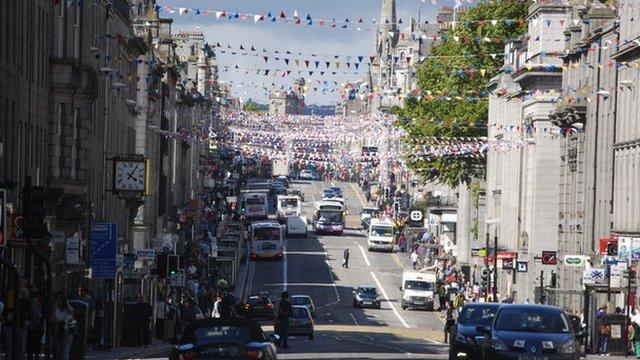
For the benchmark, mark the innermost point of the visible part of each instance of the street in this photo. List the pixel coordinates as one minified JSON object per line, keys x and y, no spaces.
{"x":312,"y":266}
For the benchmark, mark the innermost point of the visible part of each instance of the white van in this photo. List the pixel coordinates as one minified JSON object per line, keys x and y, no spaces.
{"x":418,"y":290}
{"x":380,"y":235}
{"x":296,"y":226}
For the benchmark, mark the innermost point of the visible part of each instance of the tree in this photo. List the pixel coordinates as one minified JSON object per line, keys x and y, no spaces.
{"x":452,"y":102}
{"x":250,"y":106}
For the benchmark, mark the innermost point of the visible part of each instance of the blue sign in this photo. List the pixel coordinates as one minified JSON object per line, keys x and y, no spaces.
{"x":103,"y":250}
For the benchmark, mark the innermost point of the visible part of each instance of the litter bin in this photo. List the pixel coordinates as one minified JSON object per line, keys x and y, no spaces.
{"x":79,"y":344}
{"x":617,"y":341}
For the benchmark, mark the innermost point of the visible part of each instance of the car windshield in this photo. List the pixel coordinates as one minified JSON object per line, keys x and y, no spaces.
{"x":262,"y":234}
{"x":255,"y":201}
{"x":330,"y":217}
{"x":289,"y":202}
{"x":531,"y":320}
{"x":218,"y":334}
{"x":477,"y":315}
{"x":381,"y":231}
{"x":256,"y":301}
{"x":300,"y":300}
{"x":367,"y":291}
{"x":418,"y":285}
{"x":369,"y":211}
{"x":299,"y":313}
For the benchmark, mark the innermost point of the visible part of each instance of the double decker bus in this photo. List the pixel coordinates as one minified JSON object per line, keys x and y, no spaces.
{"x":329,"y":217}
{"x":266,"y":240}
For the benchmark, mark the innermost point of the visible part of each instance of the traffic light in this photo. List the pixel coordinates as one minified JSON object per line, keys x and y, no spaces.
{"x":161,"y":265}
{"x":173,"y":264}
{"x":484,"y":279}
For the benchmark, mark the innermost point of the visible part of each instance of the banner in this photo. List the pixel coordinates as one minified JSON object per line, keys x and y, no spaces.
{"x":624,"y":248}
{"x":635,"y":249}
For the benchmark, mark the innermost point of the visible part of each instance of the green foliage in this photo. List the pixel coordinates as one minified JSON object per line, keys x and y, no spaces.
{"x":251,"y":107}
{"x":440,"y":75}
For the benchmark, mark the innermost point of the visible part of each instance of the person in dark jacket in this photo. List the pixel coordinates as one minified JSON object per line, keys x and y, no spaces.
{"x":345,"y":255}
{"x":282,"y":321}
{"x":144,"y":312}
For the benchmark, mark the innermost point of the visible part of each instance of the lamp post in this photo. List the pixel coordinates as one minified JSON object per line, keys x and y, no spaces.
{"x":494,"y":283}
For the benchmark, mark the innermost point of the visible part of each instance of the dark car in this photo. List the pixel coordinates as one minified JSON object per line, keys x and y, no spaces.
{"x":530,"y":332}
{"x":466,"y":342}
{"x":258,"y":307}
{"x":225,"y":339}
{"x":336,"y":190}
{"x":301,"y":322}
{"x":328,"y":194}
{"x":366,"y":296}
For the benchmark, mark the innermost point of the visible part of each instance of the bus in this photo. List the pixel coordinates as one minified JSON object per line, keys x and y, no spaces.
{"x":255,"y":206}
{"x":329,"y":217}
{"x":266,"y":240}
{"x":288,"y":205}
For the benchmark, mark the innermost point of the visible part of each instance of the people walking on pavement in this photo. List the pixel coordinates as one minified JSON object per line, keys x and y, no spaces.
{"x":635,"y":338}
{"x":143,"y":313}
{"x":22,"y":329}
{"x":414,"y":259}
{"x":282,"y":320}
{"x":36,"y":326}
{"x":65,"y":328}
{"x":442,"y":297}
{"x":450,"y":322}
{"x":604,"y":331}
{"x":345,"y":256}
{"x":162,"y":311}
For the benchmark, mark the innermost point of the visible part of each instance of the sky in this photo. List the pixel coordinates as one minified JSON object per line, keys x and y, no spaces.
{"x":296,"y":38}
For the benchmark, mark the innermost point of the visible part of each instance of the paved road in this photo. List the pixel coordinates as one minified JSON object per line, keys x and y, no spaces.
{"x":312,"y":266}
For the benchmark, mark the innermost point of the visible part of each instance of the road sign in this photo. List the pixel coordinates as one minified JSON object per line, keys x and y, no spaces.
{"x":522,"y":266}
{"x":549,"y":257}
{"x":73,"y":249}
{"x":177,"y":279}
{"x":593,"y":276}
{"x":507,"y":263}
{"x":145,"y":254}
{"x":103,"y":250}
{"x":478,"y":253}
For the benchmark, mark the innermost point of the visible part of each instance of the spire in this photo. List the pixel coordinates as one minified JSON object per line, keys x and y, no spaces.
{"x":388,"y":16}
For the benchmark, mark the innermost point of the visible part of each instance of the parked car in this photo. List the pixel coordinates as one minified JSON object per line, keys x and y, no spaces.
{"x":466,"y":342}
{"x":225,"y":339}
{"x":301,"y":322}
{"x":530,"y":332}
{"x":306,"y":301}
{"x":366,"y":296}
{"x":258,"y":307}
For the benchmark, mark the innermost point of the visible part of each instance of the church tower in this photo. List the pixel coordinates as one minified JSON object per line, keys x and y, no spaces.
{"x":386,"y":41}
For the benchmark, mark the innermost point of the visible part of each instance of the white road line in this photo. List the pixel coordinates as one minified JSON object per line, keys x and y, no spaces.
{"x":285,"y":268}
{"x":354,"y":319}
{"x":358,"y":195}
{"x":333,"y":184}
{"x":333,"y":281}
{"x":384,"y":295}
{"x":364,"y":255}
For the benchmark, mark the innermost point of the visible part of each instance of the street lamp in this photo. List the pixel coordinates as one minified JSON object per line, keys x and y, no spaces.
{"x":494,"y":284}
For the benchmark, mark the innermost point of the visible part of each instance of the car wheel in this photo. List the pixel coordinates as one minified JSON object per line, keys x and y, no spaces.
{"x":355,"y":305}
{"x":311,"y":336}
{"x":379,"y":306}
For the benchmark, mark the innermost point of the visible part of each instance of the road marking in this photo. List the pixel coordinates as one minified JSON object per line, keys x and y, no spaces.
{"x":358,"y":195}
{"x":397,"y":260}
{"x":439,"y":317}
{"x":433,"y":342}
{"x":354,"y":319}
{"x":333,"y":281}
{"x":248,"y":288}
{"x":386,"y":297}
{"x":285,"y":268}
{"x":364,"y":255}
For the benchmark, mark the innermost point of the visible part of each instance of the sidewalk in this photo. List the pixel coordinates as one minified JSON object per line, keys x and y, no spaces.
{"x":156,"y":349}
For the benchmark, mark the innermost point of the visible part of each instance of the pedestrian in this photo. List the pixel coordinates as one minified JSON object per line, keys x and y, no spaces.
{"x":1,"y":312}
{"x":36,"y":327}
{"x":228,"y":305}
{"x":604,"y":331}
{"x":450,"y":321}
{"x":442,"y":297}
{"x":65,"y":328}
{"x":143,"y":313}
{"x":161,"y":314}
{"x":635,"y":338}
{"x":215,"y":313}
{"x":22,"y":329}
{"x":83,"y":294}
{"x":414,"y":259}
{"x":282,"y":320}
{"x":345,"y":255}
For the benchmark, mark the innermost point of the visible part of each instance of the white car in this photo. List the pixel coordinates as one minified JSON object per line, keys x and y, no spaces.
{"x":297,"y":226}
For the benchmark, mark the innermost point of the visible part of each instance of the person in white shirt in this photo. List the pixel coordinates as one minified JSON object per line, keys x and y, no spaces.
{"x":414,"y":259}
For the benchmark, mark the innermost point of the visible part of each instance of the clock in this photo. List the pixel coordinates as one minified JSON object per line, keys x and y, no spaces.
{"x":130,"y":175}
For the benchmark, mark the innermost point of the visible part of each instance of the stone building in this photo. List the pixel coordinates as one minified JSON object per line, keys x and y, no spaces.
{"x":288,"y":102}
{"x":522,"y":176}
{"x":588,"y":121}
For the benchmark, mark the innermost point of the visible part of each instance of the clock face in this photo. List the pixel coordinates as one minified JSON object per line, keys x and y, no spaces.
{"x":130,"y":176}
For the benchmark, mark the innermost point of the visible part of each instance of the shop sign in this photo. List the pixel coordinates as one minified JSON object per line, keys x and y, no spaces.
{"x":145,"y":254}
{"x":593,"y":276}
{"x":522,"y":266}
{"x":549,"y":258}
{"x":575,"y":260}
{"x":478,"y":253}
{"x":73,"y":249}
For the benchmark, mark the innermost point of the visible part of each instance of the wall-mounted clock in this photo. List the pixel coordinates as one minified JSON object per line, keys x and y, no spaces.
{"x":130,"y":175}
